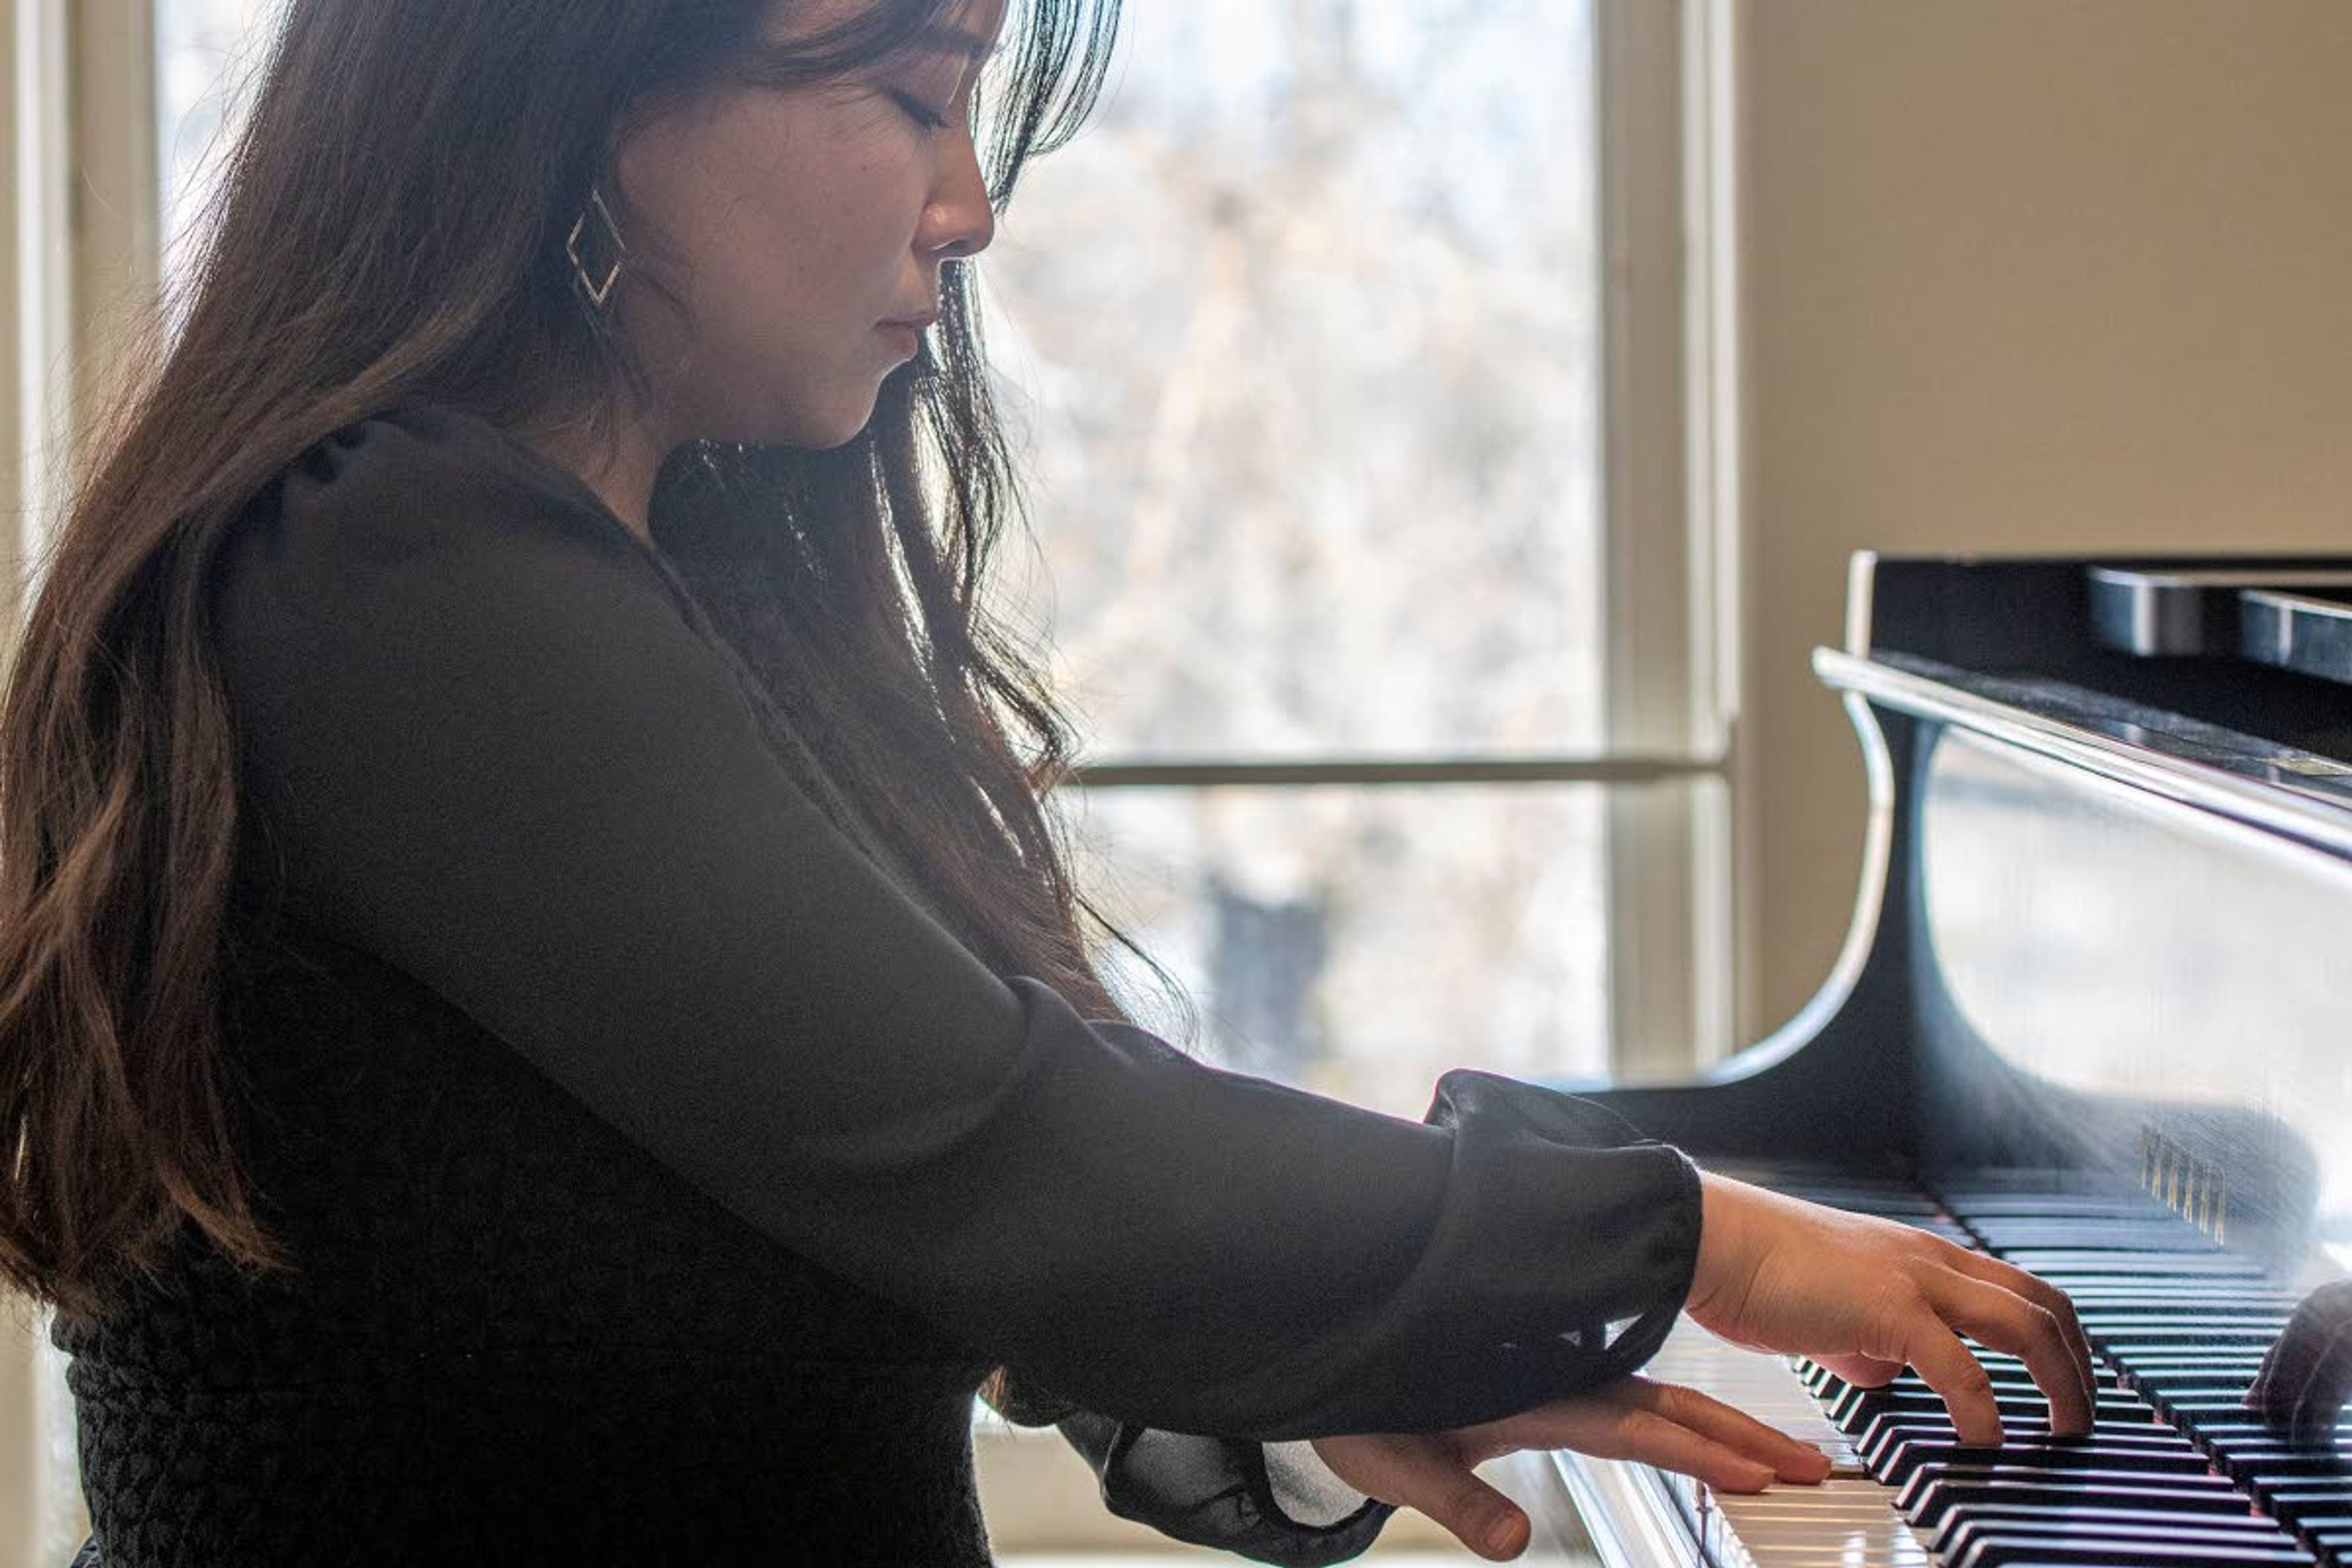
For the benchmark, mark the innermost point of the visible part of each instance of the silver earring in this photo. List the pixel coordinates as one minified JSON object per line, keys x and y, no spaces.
{"x":597,"y":292}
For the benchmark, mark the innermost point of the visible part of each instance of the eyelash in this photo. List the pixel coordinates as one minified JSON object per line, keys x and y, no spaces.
{"x":920,"y":112}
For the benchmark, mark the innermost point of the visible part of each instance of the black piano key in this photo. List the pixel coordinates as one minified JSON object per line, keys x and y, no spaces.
{"x":2296,"y":1504}
{"x":1857,"y":1407}
{"x":1840,"y":1397}
{"x":2323,"y":1525}
{"x":1876,"y":1446}
{"x":2105,"y":1235}
{"x":1982,"y":1206}
{"x":2223,"y":1327}
{"x":2193,"y":1387}
{"x":2203,"y":1395}
{"x":2093,"y":1550}
{"x":2201,"y":1407}
{"x":2120,"y":1531}
{"x":1930,"y":1491}
{"x":1929,"y":1503}
{"x":2217,"y":1352}
{"x":1885,"y":1436}
{"x":2060,"y":1265}
{"x":1958,"y":1530}
{"x":2262,"y":1444}
{"x":2215,"y":1366}
{"x":2208,"y":1374}
{"x":2141,"y":1308}
{"x":2200,"y":1381}
{"x":2259,"y":1469}
{"x":2199,"y":1339}
{"x":2110,"y":1405}
{"x":1902,"y":1461}
{"x":2154,"y":1299}
{"x":2237,"y":1422}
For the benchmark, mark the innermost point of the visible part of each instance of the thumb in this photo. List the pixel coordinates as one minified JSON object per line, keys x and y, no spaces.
{"x":1428,"y":1476}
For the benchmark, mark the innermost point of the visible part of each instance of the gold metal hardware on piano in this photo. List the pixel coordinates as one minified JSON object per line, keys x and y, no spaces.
{"x":2197,"y":1190}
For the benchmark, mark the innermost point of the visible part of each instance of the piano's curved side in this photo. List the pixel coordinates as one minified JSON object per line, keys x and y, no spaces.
{"x":1845,"y":1055}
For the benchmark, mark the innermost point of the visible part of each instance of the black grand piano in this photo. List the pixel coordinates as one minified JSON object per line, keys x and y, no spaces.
{"x":2094,"y":1016}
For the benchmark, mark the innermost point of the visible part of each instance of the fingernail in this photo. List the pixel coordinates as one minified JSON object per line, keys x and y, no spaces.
{"x":1502,"y":1536}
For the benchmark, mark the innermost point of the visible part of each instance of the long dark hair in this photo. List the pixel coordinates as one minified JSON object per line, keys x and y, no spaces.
{"x":391,"y":228}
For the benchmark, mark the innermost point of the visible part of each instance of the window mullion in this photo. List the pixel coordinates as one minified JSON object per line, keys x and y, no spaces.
{"x":1665,"y":899}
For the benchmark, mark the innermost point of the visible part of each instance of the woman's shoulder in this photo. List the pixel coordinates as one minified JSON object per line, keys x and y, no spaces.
{"x":415,"y":473}
{"x":418,"y":491}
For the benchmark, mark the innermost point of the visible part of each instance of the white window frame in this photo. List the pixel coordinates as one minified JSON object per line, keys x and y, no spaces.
{"x":1682,"y":915}
{"x":80,"y":232}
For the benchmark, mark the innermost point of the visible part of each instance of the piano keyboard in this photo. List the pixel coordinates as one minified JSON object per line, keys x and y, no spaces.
{"x":2175,"y":1474}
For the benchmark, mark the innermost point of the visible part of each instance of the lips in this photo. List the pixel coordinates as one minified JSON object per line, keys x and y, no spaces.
{"x":917,"y":323}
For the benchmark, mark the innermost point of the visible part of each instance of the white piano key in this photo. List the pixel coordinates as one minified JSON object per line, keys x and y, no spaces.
{"x":1846,"y":1521}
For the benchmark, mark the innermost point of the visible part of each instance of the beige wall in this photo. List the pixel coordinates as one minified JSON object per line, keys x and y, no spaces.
{"x":2024,"y":275}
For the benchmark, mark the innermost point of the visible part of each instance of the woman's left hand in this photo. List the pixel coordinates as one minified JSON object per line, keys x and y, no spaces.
{"x":1660,"y":1423}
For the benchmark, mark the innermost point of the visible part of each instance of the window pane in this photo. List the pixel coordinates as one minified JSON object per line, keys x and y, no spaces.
{"x":1360,"y":942}
{"x":206,"y":54}
{"x":1304,"y":328}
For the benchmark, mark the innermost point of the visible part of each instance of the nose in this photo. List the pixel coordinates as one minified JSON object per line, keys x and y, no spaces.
{"x":957,"y":221}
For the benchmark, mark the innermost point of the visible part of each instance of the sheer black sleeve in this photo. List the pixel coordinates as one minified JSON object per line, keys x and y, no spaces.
{"x":489,"y":745}
{"x":1225,"y":1492}
{"x":1214,"y":1491}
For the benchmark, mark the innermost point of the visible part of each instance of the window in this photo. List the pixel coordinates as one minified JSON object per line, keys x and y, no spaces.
{"x":1314,"y":354}
{"x":1378,"y":441}
{"x":206,"y":51}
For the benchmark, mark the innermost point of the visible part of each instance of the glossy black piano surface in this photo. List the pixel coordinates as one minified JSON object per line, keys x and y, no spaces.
{"x":2092,"y":1016}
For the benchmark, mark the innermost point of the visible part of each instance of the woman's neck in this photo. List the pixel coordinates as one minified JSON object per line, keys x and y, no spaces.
{"x":620,"y":468}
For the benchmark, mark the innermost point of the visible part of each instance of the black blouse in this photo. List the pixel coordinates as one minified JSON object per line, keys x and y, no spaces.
{"x":525,"y":850}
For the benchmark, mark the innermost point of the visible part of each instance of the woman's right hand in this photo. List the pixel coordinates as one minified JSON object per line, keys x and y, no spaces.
{"x":1660,"y":1424}
{"x":1867,"y":1297}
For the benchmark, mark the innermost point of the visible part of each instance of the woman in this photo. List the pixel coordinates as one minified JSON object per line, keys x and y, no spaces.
{"x":542,"y":1018}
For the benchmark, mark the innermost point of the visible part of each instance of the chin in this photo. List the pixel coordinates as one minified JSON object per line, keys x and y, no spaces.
{"x":822,"y":427}
{"x":808,"y":430}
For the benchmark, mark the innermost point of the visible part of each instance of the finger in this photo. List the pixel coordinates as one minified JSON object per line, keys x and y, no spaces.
{"x":1425,"y":1476}
{"x":1650,"y":1439}
{"x":2307,"y":1370}
{"x":2320,"y":1399}
{"x":2266,"y":1396}
{"x":1863,"y":1370}
{"x":2004,"y":1320}
{"x":1957,"y":1378}
{"x":2042,"y":1294}
{"x":1735,"y":1429}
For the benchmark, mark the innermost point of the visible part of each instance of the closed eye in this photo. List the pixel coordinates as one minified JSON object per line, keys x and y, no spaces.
{"x":921,"y":113}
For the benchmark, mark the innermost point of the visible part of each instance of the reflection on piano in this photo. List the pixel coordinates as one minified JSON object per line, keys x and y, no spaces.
{"x":2094,"y":1017}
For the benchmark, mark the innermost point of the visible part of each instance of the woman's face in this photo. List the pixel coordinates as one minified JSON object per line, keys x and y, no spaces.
{"x":798,"y":220}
